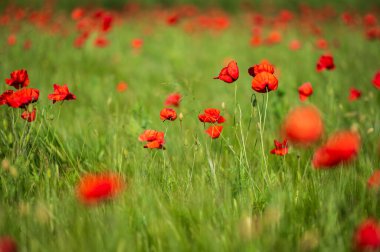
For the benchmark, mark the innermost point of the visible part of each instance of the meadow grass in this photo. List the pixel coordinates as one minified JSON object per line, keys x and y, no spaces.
{"x":198,"y":194}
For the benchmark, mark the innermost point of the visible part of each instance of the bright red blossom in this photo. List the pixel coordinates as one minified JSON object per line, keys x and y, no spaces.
{"x":305,"y":90}
{"x":367,"y":236}
{"x":230,"y":73}
{"x":264,"y":82}
{"x":121,"y":87}
{"x":61,"y":93}
{"x":325,"y":62}
{"x":354,"y":94}
{"x":95,"y":188}
{"x":168,"y":114}
{"x":259,"y":68}
{"x":7,"y":244}
{"x":21,"y":98}
{"x":211,"y":115}
{"x":280,"y":149}
{"x":154,"y":139}
{"x":214,"y":131}
{"x":19,"y":79}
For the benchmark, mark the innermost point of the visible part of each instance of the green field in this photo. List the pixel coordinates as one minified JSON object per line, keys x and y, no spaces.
{"x":199,"y":194}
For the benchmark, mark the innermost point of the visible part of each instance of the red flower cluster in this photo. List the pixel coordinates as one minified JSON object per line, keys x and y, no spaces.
{"x":154,"y":139}
{"x":213,"y":116}
{"x":23,"y":96}
{"x":230,"y":73}
{"x":354,"y":94}
{"x":95,"y":188}
{"x":280,"y":149}
{"x":168,"y":114}
{"x":263,"y":79}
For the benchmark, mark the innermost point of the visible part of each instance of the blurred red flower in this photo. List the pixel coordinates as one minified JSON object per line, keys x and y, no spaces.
{"x":154,"y":139}
{"x":325,"y":62}
{"x":280,"y":149}
{"x":21,"y":98}
{"x":211,"y":115}
{"x":230,"y":73}
{"x":295,"y":45}
{"x":264,"y":82}
{"x":168,"y":114}
{"x":321,"y":43}
{"x":101,"y":42}
{"x":354,"y":94}
{"x":341,"y":147}
{"x":214,"y":131}
{"x":376,"y":80}
{"x":121,"y":87}
{"x":61,"y":93}
{"x":19,"y":79}
{"x":303,"y":125}
{"x":29,"y":116}
{"x":305,"y":90}
{"x":95,"y":188}
{"x":367,"y":236}
{"x":12,"y":39}
{"x":370,"y":20}
{"x":8,"y":244}
{"x":137,"y":43}
{"x":173,"y":100}
{"x":374,"y":180}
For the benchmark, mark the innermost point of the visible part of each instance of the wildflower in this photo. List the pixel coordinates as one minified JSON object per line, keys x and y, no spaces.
{"x":374,"y":180}
{"x":230,"y":73}
{"x":168,"y":114}
{"x":367,"y":236}
{"x":29,"y":116}
{"x":295,"y":45}
{"x":354,"y":94}
{"x":61,"y":93}
{"x":137,"y":43}
{"x":121,"y":87}
{"x":376,"y":80}
{"x":341,"y":147}
{"x":211,"y":115}
{"x":214,"y":131}
{"x":264,"y":82}
{"x":173,"y":100}
{"x":303,"y":125}
{"x":20,"y":98}
{"x":8,"y":244}
{"x":256,"y":69}
{"x":305,"y":90}
{"x":280,"y":149}
{"x":325,"y":62}
{"x":154,"y":139}
{"x":95,"y":188}
{"x":19,"y":79}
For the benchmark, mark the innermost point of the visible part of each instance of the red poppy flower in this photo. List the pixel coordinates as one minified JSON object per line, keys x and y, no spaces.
{"x":101,"y":42}
{"x":12,"y":39}
{"x":264,"y":82}
{"x":61,"y":93}
{"x":369,"y":20}
{"x":211,"y":115}
{"x":137,"y":43}
{"x":274,"y":37}
{"x":77,"y":14}
{"x":280,"y":149}
{"x":255,"y":40}
{"x":107,"y":23}
{"x":376,"y":80}
{"x":173,"y":100}
{"x":295,"y":45}
{"x":121,"y":87}
{"x":95,"y":188}
{"x":305,"y":90}
{"x":21,"y":98}
{"x":214,"y":131}
{"x":154,"y":139}
{"x":230,"y":73}
{"x":264,"y":67}
{"x":367,"y":236}
{"x":303,"y":125}
{"x":172,"y":19}
{"x":325,"y":62}
{"x":27,"y":44}
{"x":168,"y":114}
{"x":19,"y":79}
{"x":7,"y":244}
{"x":29,"y":116}
{"x":354,"y":94}
{"x":374,"y":180}
{"x":341,"y":147}
{"x":321,"y":43}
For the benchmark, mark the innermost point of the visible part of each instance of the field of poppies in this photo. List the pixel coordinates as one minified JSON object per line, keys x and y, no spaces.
{"x":189,"y":129}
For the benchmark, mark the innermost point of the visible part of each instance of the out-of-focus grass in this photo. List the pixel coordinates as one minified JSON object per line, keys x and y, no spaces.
{"x":173,"y":202}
